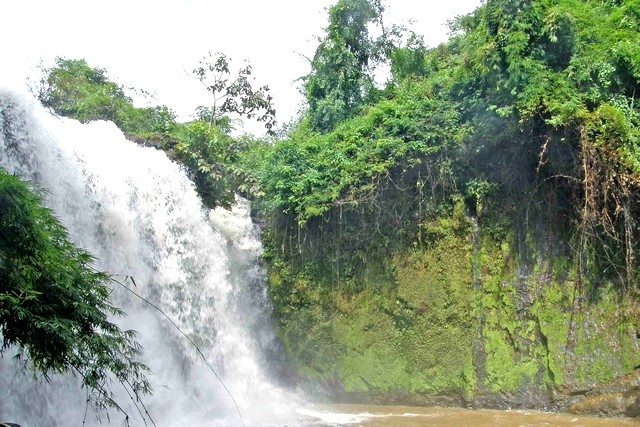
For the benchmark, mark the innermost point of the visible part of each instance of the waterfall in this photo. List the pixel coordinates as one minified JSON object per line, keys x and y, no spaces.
{"x":139,"y":215}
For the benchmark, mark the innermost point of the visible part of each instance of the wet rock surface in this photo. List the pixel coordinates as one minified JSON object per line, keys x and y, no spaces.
{"x":620,"y":397}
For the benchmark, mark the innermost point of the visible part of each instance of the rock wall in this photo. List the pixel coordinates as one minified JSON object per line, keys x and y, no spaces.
{"x":464,"y":321}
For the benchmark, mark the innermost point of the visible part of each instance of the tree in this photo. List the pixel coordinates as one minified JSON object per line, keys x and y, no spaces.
{"x":54,"y":306}
{"x":233,"y":94}
{"x":341,"y":70}
{"x":409,"y":60}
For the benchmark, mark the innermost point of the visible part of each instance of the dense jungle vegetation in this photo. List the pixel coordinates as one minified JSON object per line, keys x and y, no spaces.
{"x":461,"y":231}
{"x":466,"y":229}
{"x":531,"y":103}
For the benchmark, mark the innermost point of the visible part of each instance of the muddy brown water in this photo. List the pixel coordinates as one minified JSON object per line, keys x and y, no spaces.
{"x":404,"y":416}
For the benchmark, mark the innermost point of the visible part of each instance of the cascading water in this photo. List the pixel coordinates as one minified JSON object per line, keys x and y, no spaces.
{"x":139,"y":214}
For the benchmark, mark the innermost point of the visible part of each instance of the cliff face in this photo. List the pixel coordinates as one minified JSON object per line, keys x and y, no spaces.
{"x":463,"y":321}
{"x":471,"y":236}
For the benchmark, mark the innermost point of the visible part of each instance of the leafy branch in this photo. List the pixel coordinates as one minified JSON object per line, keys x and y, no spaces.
{"x":234,"y":93}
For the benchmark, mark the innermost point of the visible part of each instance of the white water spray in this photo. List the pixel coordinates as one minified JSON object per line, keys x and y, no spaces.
{"x":139,"y":214}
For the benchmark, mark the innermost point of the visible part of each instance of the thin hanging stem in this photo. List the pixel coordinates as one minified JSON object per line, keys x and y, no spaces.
{"x":175,"y":325}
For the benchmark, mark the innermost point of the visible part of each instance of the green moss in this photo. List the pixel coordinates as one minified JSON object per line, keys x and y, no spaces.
{"x":506,"y":369}
{"x":370,"y":360}
{"x":438,"y":291}
{"x":553,"y":321}
{"x":415,"y":337}
{"x":508,"y":337}
{"x":412,"y":331}
{"x":602,"y":333}
{"x":590,"y":344}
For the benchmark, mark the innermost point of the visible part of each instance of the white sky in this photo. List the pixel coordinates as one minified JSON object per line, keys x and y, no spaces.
{"x":154,"y":45}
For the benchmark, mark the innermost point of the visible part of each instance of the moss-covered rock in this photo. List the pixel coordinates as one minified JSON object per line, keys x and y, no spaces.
{"x":459,"y":322}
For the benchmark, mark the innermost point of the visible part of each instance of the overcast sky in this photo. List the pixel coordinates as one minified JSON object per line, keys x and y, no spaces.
{"x":154,"y":45}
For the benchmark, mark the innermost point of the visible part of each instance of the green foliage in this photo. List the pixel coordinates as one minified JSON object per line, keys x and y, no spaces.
{"x":340,"y":80}
{"x":74,"y":89}
{"x":309,"y":174}
{"x":206,"y":152}
{"x":54,"y":307}
{"x":528,"y":114}
{"x":234,"y":94}
{"x":251,"y":159}
{"x":350,"y":195}
{"x":409,"y":60}
{"x":506,"y":116}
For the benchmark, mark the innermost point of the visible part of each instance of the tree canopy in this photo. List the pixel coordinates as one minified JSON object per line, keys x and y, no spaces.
{"x":341,"y":79}
{"x":528,"y":100}
{"x":233,"y":94}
